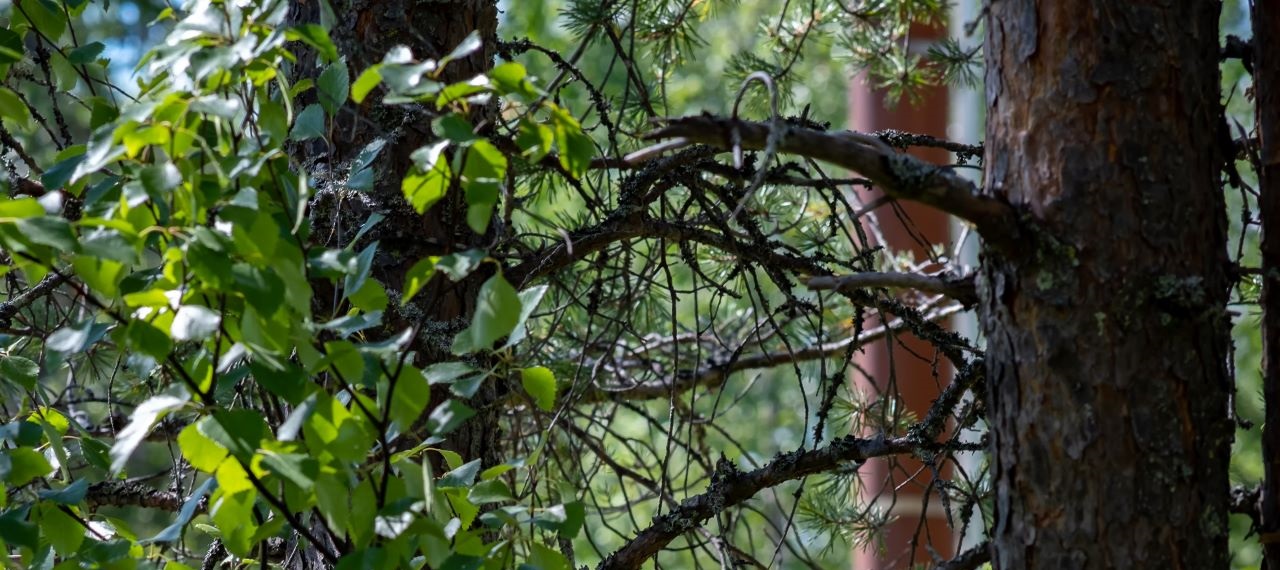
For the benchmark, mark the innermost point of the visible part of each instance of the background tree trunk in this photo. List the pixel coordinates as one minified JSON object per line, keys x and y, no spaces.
{"x":364,"y":31}
{"x":1107,"y":331}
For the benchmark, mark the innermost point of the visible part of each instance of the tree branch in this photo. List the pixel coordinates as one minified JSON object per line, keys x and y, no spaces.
{"x":713,"y":375}
{"x":961,"y":289}
{"x":968,"y":560}
{"x":20,"y":301}
{"x":730,"y":487}
{"x":899,"y":175}
{"x":131,"y":494}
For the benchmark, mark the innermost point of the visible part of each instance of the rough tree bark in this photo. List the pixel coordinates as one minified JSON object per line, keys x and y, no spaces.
{"x":364,"y":31}
{"x":1266,"y":72}
{"x":1107,"y":331}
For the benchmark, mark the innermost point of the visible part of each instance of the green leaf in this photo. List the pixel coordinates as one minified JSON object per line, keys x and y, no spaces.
{"x":545,"y":558}
{"x":160,"y":179}
{"x":101,"y":275}
{"x":199,"y":450}
{"x":540,"y":384}
{"x":510,"y":78}
{"x":13,"y":109}
{"x":365,"y":83}
{"x":411,"y":396}
{"x":456,"y":128}
{"x":284,"y":379}
{"x":466,"y":47}
{"x":363,"y":511}
{"x":332,"y":429}
{"x":144,"y":416}
{"x":575,"y":516}
{"x":11,"y":48}
{"x":193,"y":322}
{"x":492,"y":491}
{"x":239,"y":431}
{"x":575,"y":147}
{"x":362,"y":173}
{"x":96,"y":453}
{"x":496,"y":314}
{"x":423,"y":188}
{"x":19,"y":370}
{"x":448,"y":416}
{"x":447,"y":372}
{"x":360,"y":270}
{"x":299,"y":469}
{"x":417,"y":277}
{"x":20,"y":208}
{"x":87,"y":53}
{"x":22,"y":465}
{"x":529,"y":300}
{"x":315,"y":36}
{"x":462,"y":562}
{"x":76,"y":338}
{"x":565,"y":519}
{"x":62,"y":530}
{"x":15,"y":530}
{"x":21,"y":433}
{"x":103,"y":112}
{"x":46,"y":17}
{"x":371,"y":297}
{"x":58,"y":175}
{"x":537,"y":140}
{"x":334,"y":85}
{"x":309,"y":124}
{"x":461,"y":476}
{"x":70,"y":495}
{"x":426,"y":157}
{"x":351,"y":324}
{"x":233,"y":515}
{"x":145,"y":338}
{"x":482,"y":177}
{"x":461,"y":264}
{"x":173,"y":532}
{"x":53,"y":232}
{"x":261,"y":288}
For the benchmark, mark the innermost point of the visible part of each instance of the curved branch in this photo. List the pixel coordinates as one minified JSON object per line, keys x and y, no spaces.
{"x":730,"y":487}
{"x":961,"y":289}
{"x":899,"y":175}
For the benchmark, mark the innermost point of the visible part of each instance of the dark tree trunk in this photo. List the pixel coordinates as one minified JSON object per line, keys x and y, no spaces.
{"x":364,"y":31}
{"x":1266,"y":72}
{"x":1108,"y":337}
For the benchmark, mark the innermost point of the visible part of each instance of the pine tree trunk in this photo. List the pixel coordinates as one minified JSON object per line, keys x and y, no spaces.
{"x":1108,"y":337}
{"x":364,"y":31}
{"x":1266,"y":70}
